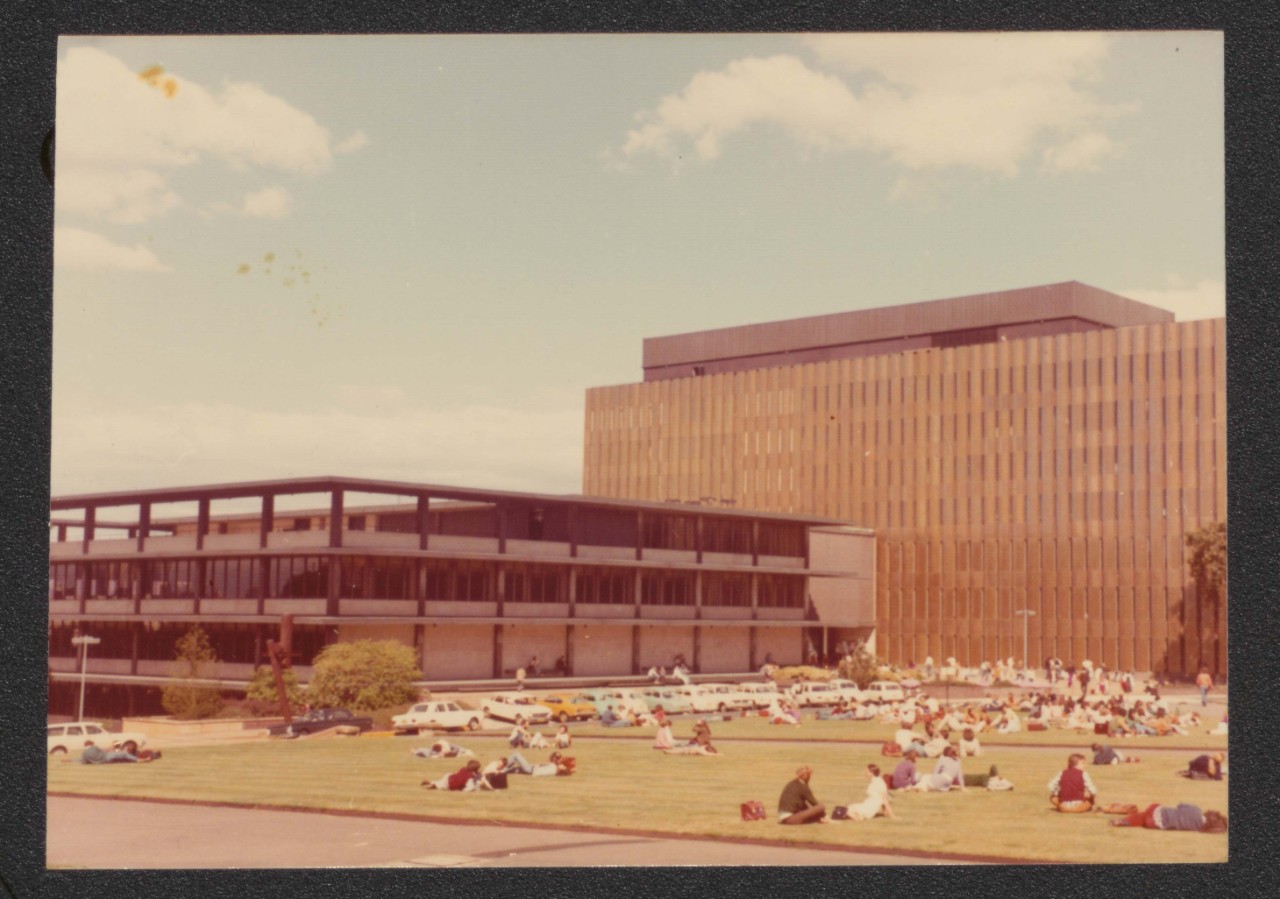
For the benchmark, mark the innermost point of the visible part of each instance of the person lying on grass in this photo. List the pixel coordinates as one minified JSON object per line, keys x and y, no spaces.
{"x":1073,"y":790}
{"x":441,"y":749}
{"x":557,"y":764}
{"x":1106,"y":755}
{"x":465,"y":780}
{"x":96,"y":755}
{"x":877,"y":801}
{"x":797,"y":804}
{"x":1182,"y":816}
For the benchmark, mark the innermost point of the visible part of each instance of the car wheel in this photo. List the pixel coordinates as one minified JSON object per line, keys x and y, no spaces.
{"x":58,"y":750}
{"x":473,"y":724}
{"x":563,"y":717}
{"x":303,"y":731}
{"x":130,"y":747}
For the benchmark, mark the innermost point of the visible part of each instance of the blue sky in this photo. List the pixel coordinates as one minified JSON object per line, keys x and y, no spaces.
{"x":408,"y":257}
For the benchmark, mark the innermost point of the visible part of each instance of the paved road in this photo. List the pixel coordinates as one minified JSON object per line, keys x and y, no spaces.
{"x":163,"y":835}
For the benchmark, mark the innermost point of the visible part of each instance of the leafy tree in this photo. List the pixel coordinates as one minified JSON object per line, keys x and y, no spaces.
{"x":196,"y":660}
{"x":859,"y":666}
{"x":262,"y":686}
{"x":364,"y":675}
{"x":1208,"y":547}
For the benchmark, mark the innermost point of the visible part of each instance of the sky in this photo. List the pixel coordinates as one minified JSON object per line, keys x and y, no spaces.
{"x":409,"y":257}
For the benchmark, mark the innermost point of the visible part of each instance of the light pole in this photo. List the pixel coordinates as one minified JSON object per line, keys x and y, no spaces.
{"x":84,"y":643}
{"x":1025,"y":615}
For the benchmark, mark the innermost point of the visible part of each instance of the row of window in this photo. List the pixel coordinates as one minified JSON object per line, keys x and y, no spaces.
{"x":238,"y":643}
{"x":362,"y":577}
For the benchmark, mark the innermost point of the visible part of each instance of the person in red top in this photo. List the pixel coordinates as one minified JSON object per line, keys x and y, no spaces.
{"x":1205,"y":682}
{"x":463,"y":780}
{"x":1073,"y":790}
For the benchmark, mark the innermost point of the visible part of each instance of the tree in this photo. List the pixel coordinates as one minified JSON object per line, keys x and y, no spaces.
{"x":364,"y":675}
{"x":262,"y":686}
{"x":196,"y":660}
{"x":859,"y":666}
{"x":1208,"y":561}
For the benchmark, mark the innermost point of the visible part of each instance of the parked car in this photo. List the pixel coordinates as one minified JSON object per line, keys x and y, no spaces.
{"x":64,"y":738}
{"x":507,"y":706}
{"x":885,"y":691}
{"x":701,"y":699}
{"x":618,"y":697}
{"x":762,"y":695}
{"x":672,"y":702}
{"x":729,"y":697}
{"x":848,"y":689}
{"x":316,"y":720}
{"x":436,"y":715}
{"x":565,"y":708}
{"x":815,"y":693}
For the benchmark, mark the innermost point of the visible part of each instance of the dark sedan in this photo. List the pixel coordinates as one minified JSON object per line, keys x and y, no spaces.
{"x":320,"y":719}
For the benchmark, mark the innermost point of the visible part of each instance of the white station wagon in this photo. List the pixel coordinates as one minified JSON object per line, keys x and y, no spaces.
{"x":65,"y":738}
{"x":438,"y":715}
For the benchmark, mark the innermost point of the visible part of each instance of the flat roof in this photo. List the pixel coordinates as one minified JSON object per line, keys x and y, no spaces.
{"x":1067,"y":300}
{"x":330,"y":483}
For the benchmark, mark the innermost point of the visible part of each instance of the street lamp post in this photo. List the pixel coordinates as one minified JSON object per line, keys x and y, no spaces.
{"x":84,"y":643}
{"x":1025,"y":615}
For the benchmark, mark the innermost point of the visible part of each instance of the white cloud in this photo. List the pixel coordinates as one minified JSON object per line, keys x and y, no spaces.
{"x":105,"y":444}
{"x":76,"y":248}
{"x":268,"y":203}
{"x":926,"y":102}
{"x":357,"y":141}
{"x":119,"y":133}
{"x":124,"y":195}
{"x":1207,"y":298}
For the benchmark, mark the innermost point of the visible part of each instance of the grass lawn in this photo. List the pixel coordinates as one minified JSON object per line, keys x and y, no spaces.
{"x":623,"y":783}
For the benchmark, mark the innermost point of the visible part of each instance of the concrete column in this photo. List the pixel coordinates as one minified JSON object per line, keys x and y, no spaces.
{"x":335,"y":519}
{"x":267,"y":520}
{"x":424,"y":522}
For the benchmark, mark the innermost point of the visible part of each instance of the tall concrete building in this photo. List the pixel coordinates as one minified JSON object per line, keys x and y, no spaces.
{"x":1030,"y":460}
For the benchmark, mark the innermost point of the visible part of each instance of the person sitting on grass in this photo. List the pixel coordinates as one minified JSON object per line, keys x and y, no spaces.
{"x":1106,"y":755}
{"x":906,"y":738}
{"x":877,"y":801}
{"x":1182,"y":816}
{"x":564,"y":739}
{"x":1010,"y":723}
{"x":519,"y":737}
{"x":664,"y":738}
{"x":905,"y":776}
{"x":947,"y":774}
{"x":1205,"y":767}
{"x":938,"y":742}
{"x":96,"y":755}
{"x":969,"y":744}
{"x":701,"y":734}
{"x":1073,"y":790}
{"x":797,"y":804}
{"x":465,"y":780}
{"x":441,"y":749}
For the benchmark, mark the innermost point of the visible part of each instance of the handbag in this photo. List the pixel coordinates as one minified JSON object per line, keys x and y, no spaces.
{"x":840,"y":813}
{"x":891,"y":748}
{"x":752,"y":810}
{"x":497,"y":780}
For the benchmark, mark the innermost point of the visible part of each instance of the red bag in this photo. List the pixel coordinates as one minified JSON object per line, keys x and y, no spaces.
{"x":753,"y":810}
{"x":1037,"y":725}
{"x":891,"y":748}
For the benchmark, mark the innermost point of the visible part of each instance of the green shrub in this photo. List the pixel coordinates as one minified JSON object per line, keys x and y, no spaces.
{"x":262,"y":687}
{"x":364,"y":675}
{"x":183,"y":698}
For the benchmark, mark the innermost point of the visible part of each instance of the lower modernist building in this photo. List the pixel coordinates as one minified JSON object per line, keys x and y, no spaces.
{"x":1031,"y":462}
{"x":477,"y":581}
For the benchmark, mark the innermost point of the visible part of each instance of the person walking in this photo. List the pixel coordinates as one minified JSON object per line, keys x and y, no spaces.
{"x":1205,"y":682}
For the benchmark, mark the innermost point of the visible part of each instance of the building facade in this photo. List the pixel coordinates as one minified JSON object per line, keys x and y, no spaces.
{"x":1030,"y":460}
{"x":477,"y":581}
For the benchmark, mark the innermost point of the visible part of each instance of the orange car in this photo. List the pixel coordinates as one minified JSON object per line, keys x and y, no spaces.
{"x":565,"y":708}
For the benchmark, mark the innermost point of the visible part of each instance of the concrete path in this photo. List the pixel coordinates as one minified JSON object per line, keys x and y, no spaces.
{"x":112,"y":833}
